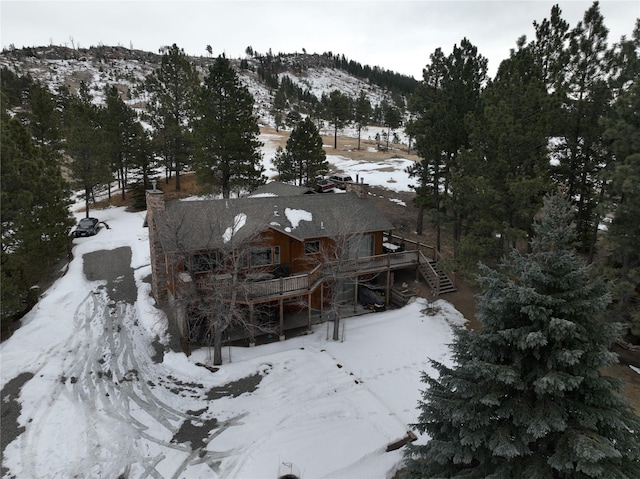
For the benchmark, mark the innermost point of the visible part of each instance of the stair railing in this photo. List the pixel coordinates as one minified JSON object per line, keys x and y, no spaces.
{"x":433,"y":277}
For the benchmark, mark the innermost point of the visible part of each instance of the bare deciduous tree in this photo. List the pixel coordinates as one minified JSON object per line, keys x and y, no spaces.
{"x":341,"y":259}
{"x":213,"y":275}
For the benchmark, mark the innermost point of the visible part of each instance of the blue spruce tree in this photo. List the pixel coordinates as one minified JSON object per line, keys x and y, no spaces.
{"x":526,"y":397}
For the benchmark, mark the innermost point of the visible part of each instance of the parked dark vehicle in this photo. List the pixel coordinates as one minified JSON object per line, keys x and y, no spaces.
{"x":370,"y":300}
{"x":87,"y":227}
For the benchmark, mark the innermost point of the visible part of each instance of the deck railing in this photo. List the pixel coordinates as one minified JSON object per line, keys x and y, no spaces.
{"x":306,"y":282}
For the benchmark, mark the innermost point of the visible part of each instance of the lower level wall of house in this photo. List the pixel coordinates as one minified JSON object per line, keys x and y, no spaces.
{"x":179,"y":313}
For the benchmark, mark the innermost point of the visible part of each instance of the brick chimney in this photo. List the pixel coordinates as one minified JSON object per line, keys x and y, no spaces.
{"x":155,"y":204}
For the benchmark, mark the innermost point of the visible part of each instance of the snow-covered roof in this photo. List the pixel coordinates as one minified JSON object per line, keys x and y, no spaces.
{"x":210,"y":224}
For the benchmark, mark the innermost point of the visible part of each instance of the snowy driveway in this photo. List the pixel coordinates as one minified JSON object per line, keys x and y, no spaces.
{"x":108,"y":409}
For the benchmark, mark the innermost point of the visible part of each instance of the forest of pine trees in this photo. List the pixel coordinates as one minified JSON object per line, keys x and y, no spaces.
{"x":559,"y":112}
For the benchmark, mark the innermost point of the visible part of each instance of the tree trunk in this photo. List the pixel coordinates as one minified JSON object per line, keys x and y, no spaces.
{"x":594,"y":233}
{"x":123,"y":184}
{"x":87,"y":192}
{"x":336,"y":327}
{"x":420,"y":220}
{"x":217,"y":347}
{"x":177,"y":176}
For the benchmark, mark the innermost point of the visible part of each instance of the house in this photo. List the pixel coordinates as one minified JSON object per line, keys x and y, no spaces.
{"x":283,"y":255}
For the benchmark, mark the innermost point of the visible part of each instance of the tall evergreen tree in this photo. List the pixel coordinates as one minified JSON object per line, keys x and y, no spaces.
{"x":304,"y":154}
{"x":85,"y":144}
{"x":284,"y":166}
{"x":509,"y":145}
{"x":450,"y":91}
{"x":550,"y":49}
{"x":337,"y":110}
{"x":173,"y":89}
{"x":623,"y":236}
{"x":142,"y":161}
{"x":228,"y":156}
{"x":392,"y":118}
{"x":35,"y":216}
{"x":119,"y":126}
{"x":526,"y":397}
{"x":44,"y":118}
{"x":361,"y":113}
{"x":580,"y":149}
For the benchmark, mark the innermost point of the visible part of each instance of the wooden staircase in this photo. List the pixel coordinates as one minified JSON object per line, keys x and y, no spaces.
{"x":437,"y":279}
{"x":428,"y":267}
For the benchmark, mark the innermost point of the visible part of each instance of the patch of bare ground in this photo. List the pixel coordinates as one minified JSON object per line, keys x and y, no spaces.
{"x":348,"y":147}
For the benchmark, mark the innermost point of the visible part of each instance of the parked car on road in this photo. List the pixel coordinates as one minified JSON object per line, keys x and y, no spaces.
{"x":87,"y":227}
{"x":341,"y":180}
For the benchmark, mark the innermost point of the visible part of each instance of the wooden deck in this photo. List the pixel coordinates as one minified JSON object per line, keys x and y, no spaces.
{"x":301,"y":284}
{"x":261,"y":291}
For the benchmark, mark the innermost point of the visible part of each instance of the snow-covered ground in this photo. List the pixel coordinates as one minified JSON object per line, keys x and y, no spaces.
{"x":102,"y":397}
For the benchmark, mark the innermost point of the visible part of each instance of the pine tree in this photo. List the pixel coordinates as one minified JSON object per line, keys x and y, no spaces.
{"x":550,"y":50}
{"x":361,"y":113}
{"x":172,"y":89}
{"x":120,"y":131}
{"x":284,"y":166}
{"x":228,"y":156}
{"x":450,"y":91}
{"x":44,"y":118}
{"x":337,"y":109}
{"x":85,"y":144}
{"x":526,"y":397}
{"x":305,"y":153}
{"x":587,"y":98}
{"x":35,"y":217}
{"x":623,"y":236}
{"x":392,"y":118}
{"x":508,"y":143}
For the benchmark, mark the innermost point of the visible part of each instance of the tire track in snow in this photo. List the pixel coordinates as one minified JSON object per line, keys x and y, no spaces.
{"x":123,"y":424}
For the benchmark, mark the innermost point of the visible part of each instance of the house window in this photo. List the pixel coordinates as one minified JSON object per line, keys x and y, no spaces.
{"x":360,"y":247}
{"x":265,"y":256}
{"x":201,"y":262}
{"x":260,"y":257}
{"x":311,"y":247}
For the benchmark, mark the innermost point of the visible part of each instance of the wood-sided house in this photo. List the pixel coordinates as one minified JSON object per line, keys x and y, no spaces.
{"x":286,"y":249}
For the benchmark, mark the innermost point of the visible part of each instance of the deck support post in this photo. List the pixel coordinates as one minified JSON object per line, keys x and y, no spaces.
{"x":309,"y":311}
{"x":355,"y":295}
{"x":281,"y":307}
{"x":252,"y":339}
{"x":388,"y":293}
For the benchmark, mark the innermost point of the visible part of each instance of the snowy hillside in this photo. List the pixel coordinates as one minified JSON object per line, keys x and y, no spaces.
{"x":59,"y":67}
